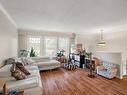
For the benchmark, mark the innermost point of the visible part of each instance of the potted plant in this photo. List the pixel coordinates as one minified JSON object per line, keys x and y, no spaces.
{"x":60,"y":53}
{"x":61,"y":56}
{"x":88,"y":55}
{"x":91,"y":65}
{"x":32,"y":52}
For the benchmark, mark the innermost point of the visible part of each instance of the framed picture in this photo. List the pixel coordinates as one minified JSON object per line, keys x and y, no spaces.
{"x":79,"y":46}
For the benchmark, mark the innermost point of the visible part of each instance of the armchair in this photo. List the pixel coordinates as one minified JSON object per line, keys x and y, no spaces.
{"x":107,"y":70}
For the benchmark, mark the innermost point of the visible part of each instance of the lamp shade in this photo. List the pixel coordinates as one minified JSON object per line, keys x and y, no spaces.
{"x":101,"y":43}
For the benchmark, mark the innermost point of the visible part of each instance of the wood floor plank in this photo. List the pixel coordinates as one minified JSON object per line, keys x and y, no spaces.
{"x":65,"y":82}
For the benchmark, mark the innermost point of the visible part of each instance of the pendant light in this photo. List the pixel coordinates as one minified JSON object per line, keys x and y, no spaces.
{"x":101,"y":42}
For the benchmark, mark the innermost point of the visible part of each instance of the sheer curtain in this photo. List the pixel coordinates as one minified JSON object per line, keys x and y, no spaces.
{"x":34,"y":42}
{"x":50,"y":46}
{"x":63,"y":44}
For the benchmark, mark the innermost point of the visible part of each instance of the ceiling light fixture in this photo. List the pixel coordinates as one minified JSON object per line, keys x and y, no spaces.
{"x":101,"y":42}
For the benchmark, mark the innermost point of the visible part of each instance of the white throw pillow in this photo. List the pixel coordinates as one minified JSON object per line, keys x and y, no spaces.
{"x":1,"y":64}
{"x":29,"y":60}
{"x":25,"y":60}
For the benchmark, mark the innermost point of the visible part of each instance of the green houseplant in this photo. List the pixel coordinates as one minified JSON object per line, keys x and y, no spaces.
{"x":32,"y":52}
{"x":60,"y":56}
{"x":88,"y":54}
{"x":60,"y":53}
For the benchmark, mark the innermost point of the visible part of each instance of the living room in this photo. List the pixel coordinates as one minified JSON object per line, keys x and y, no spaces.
{"x":63,"y":47}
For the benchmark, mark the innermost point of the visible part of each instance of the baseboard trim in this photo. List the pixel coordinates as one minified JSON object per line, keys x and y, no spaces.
{"x":119,"y":77}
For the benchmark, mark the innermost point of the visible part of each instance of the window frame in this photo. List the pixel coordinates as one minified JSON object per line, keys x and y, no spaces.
{"x":28,"y":43}
{"x":43,"y":44}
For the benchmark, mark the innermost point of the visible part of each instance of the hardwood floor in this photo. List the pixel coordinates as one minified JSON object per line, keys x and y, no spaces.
{"x":64,"y":82}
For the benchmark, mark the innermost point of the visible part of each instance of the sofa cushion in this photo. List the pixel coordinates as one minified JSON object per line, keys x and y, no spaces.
{"x":9,"y":61}
{"x":22,"y":84}
{"x":41,"y":59}
{"x":25,"y":60}
{"x":34,"y":73}
{"x":5,"y":71}
{"x":108,"y":65}
{"x":10,"y":78}
{"x":48,"y":63}
{"x":31,"y":67}
{"x":1,"y":64}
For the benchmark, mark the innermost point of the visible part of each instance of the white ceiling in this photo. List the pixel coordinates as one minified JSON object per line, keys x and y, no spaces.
{"x":81,"y":16}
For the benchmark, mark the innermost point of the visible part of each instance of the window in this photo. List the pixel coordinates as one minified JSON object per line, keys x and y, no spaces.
{"x":63,"y":44}
{"x":50,"y":46}
{"x":34,"y":42}
{"x":47,"y":46}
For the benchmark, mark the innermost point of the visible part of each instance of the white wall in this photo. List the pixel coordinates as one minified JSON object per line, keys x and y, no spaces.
{"x":8,"y":36}
{"x":87,"y":40}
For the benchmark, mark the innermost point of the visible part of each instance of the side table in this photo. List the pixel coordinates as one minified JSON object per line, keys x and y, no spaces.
{"x":3,"y":86}
{"x":21,"y":93}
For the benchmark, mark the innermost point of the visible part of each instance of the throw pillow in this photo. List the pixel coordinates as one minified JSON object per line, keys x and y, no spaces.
{"x":26,"y":60}
{"x":17,"y":73}
{"x":29,"y":60}
{"x":23,"y":60}
{"x":9,"y":61}
{"x":22,"y":68}
{"x":2,"y":64}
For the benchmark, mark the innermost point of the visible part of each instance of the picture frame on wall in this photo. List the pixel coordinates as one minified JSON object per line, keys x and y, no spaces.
{"x":79,"y":48}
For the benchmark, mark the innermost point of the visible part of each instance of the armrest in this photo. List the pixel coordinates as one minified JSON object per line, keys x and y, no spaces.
{"x":99,"y":67}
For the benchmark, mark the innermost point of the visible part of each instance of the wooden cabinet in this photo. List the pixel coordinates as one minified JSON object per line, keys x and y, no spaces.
{"x":81,"y":61}
{"x":77,"y":59}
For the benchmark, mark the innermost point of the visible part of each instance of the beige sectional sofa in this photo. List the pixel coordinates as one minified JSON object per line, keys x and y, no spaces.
{"x":32,"y":85}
